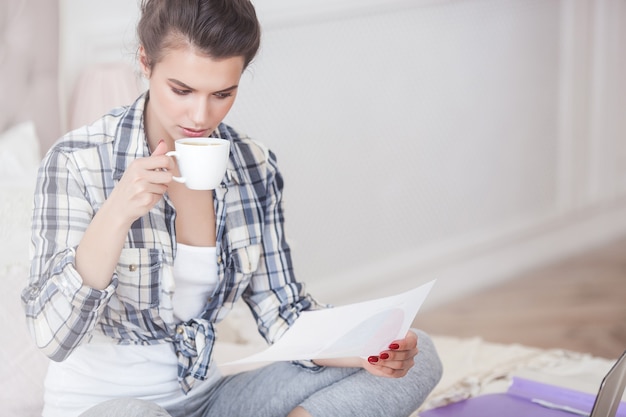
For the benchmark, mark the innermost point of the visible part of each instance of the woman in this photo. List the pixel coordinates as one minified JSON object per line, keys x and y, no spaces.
{"x":131,"y":270}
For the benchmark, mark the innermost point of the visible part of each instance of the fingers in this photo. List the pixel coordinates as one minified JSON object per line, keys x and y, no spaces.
{"x":156,"y":172}
{"x":150,"y":175}
{"x":143,"y":184}
{"x":157,"y":160}
{"x":401,"y":349}
{"x":155,"y":163}
{"x":409,"y":342}
{"x":161,"y":148}
{"x":393,"y":369}
{"x":396,"y":361}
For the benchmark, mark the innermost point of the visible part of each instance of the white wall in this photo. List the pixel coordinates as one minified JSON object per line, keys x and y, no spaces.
{"x":93,"y":32}
{"x":465,"y":140}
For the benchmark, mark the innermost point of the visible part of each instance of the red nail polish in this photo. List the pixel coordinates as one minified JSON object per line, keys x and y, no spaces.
{"x":384,"y":356}
{"x":372,"y":359}
{"x":394,"y":346}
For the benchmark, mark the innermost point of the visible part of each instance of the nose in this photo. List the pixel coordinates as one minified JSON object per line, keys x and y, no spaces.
{"x":199,"y":112}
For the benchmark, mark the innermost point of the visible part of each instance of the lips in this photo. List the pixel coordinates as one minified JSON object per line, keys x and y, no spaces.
{"x":194,"y":133}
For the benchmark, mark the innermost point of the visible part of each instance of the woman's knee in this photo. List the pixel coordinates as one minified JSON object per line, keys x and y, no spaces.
{"x":126,"y":407}
{"x":427,"y":359}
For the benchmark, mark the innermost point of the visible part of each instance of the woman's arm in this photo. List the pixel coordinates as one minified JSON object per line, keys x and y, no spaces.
{"x":274,"y":295}
{"x":75,"y":250}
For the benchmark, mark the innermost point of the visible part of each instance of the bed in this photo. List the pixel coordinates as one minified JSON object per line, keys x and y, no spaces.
{"x":30,"y":121}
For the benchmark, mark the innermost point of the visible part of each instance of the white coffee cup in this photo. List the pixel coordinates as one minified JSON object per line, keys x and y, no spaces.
{"x":201,"y":161}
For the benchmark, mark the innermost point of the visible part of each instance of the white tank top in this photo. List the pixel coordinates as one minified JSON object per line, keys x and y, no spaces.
{"x":195,"y":275}
{"x":101,"y":370}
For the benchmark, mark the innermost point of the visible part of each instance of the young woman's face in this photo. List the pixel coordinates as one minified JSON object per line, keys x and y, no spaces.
{"x":190,"y":94}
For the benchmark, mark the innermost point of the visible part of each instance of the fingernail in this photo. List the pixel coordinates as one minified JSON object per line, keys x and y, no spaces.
{"x":384,"y":355}
{"x":372,"y":359}
{"x":394,"y":346}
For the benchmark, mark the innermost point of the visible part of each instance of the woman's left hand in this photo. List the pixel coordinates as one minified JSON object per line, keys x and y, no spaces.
{"x":397,"y":360}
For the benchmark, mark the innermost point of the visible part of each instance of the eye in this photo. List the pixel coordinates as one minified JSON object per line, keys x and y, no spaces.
{"x":222,"y":96}
{"x":180,"y":92}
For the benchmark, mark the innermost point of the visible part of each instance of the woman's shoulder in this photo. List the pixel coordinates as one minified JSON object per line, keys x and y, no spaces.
{"x":249,"y":149}
{"x":119,"y":122}
{"x":97,"y":133}
{"x":252,"y":162}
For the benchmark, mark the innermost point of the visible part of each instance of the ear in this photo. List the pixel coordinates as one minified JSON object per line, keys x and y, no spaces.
{"x":143,"y":62}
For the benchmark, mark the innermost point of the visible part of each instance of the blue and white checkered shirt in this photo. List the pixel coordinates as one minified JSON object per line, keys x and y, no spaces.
{"x":254,"y":262}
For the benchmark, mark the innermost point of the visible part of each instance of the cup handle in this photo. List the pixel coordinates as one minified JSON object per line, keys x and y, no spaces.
{"x":181,"y":180}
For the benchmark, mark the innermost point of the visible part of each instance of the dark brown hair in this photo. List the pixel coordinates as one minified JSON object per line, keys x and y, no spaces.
{"x":216,"y":28}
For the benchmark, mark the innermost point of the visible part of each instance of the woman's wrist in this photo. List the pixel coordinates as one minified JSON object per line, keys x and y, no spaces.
{"x":352,"y":362}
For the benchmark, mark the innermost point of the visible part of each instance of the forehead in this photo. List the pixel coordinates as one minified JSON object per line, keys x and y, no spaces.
{"x":199,"y":70}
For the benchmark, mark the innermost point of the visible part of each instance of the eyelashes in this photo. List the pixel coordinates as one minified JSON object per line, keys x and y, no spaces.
{"x":220,"y":96}
{"x":180,"y":92}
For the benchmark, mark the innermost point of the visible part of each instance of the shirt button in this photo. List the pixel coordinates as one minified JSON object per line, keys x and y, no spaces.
{"x":219,"y":259}
{"x":180,"y":330}
{"x":132,"y":268}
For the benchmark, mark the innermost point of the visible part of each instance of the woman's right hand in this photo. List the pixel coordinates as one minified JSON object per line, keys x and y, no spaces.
{"x":143,"y":184}
{"x":140,"y":188}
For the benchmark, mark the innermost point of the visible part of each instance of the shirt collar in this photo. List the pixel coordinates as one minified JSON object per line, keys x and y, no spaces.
{"x":130,"y":138}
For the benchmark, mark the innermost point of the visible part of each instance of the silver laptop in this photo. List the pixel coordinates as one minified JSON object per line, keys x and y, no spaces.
{"x":611,"y":390}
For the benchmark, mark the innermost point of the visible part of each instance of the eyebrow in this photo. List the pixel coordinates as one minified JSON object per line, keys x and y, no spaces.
{"x":185,"y":86}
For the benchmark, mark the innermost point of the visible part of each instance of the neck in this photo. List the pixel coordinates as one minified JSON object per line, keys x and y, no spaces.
{"x":153,"y":133}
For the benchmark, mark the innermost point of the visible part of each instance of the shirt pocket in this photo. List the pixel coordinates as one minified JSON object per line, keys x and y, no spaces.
{"x":138,"y":273}
{"x":241,"y":264}
{"x":245,"y":259}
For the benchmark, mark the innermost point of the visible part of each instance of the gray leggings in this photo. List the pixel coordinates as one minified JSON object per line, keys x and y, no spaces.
{"x":276,"y":389}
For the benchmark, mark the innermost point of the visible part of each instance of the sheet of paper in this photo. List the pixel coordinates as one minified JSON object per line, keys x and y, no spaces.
{"x":360,"y":329}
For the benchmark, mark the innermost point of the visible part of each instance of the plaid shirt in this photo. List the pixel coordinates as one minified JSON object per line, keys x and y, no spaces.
{"x":76,"y":177}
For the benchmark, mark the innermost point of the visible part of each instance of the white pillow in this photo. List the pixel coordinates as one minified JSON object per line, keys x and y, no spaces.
{"x":16,"y":202}
{"x":19,"y":152}
{"x":23,"y":367}
{"x":19,"y":159}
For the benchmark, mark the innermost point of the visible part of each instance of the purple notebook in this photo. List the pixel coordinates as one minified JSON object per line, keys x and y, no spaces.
{"x":523,"y":399}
